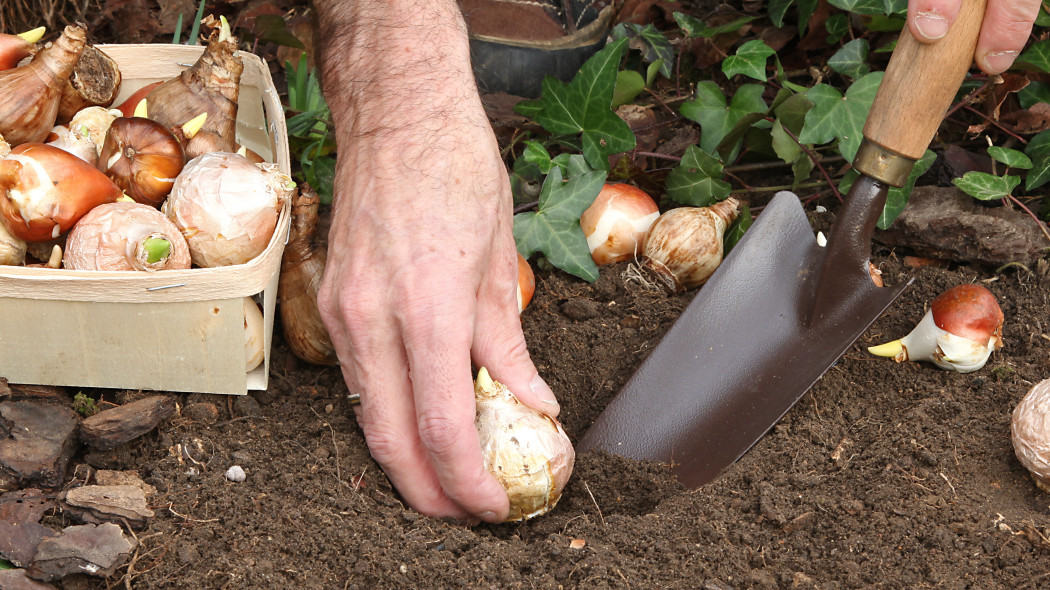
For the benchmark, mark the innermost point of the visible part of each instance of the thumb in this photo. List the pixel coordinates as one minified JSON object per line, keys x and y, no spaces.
{"x":499,"y":346}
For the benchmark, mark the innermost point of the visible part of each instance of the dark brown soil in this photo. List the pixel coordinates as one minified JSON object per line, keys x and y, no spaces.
{"x":883,"y":476}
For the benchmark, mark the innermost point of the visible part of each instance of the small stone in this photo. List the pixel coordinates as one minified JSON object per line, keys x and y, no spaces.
{"x":188,"y":554}
{"x":204,"y":412}
{"x":246,"y":405}
{"x":579,"y":309}
{"x":236,"y":474}
{"x":264,"y":397}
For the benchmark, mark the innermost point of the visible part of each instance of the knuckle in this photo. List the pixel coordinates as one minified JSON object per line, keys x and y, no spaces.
{"x":438,"y":434}
{"x":386,"y":447}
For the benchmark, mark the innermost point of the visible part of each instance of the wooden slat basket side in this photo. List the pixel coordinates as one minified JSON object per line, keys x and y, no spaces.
{"x":169,"y":330}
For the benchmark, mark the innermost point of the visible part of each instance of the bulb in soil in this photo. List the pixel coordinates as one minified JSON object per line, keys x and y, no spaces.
{"x":526,"y":450}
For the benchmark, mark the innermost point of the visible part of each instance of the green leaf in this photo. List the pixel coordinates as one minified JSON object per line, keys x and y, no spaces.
{"x":868,"y":7}
{"x":849,"y":60}
{"x":894,"y":6}
{"x":6,"y":565}
{"x":806,"y":8}
{"x":629,"y":84}
{"x":1039,"y":150}
{"x":654,"y":68}
{"x":715,"y":116}
{"x":694,"y":27}
{"x":897,"y":197}
{"x":274,"y":29}
{"x":538,"y":155}
{"x":736,"y":231}
{"x":750,"y":60}
{"x":1043,"y":18}
{"x":1035,"y":92}
{"x":554,"y":228}
{"x":1012,"y":158}
{"x":784,"y":145}
{"x":650,"y":41}
{"x":986,"y":187}
{"x":837,"y":26}
{"x":777,"y":9}
{"x":1036,"y":56}
{"x":697,"y":180}
{"x":835,"y":116}
{"x":583,"y":106}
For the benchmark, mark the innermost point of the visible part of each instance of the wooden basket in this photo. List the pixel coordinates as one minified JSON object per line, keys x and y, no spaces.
{"x":177,"y":330}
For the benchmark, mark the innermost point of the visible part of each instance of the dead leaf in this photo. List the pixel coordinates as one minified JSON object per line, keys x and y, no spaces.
{"x":1031,"y":120}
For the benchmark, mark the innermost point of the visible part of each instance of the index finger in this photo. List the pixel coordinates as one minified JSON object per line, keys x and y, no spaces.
{"x":1007,"y":25}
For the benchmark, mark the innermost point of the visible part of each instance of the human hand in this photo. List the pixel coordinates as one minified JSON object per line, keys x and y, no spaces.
{"x":1004,"y":32}
{"x":421,"y":274}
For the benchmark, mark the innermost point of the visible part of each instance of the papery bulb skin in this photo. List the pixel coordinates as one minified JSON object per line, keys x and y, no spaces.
{"x":958,"y":333}
{"x":93,"y":123}
{"x":254,"y":342}
{"x":81,"y":147}
{"x":227,"y":207}
{"x":210,"y":86}
{"x":143,"y":158}
{"x":125,"y":236}
{"x":302,"y":267}
{"x":684,"y":246}
{"x":526,"y":283}
{"x":617,"y":222}
{"x":526,"y":450}
{"x":30,"y":94}
{"x":94,"y":82}
{"x":44,"y":190}
{"x":1030,"y":433}
{"x":12,"y":249}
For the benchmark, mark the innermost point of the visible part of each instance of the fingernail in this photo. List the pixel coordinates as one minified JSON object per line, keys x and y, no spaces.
{"x":543,"y":391}
{"x":488,"y":516}
{"x":999,"y":61}
{"x":931,"y":25}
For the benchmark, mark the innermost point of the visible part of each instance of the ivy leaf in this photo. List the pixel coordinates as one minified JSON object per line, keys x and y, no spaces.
{"x":986,"y":187}
{"x":736,"y":231}
{"x":583,"y":106}
{"x":694,"y":27}
{"x":1043,"y":18}
{"x":1012,"y":158}
{"x":715,"y":116}
{"x":894,"y":6}
{"x":538,"y":155}
{"x":1033,"y":93}
{"x":629,"y":84}
{"x":750,"y":60}
{"x":868,"y":7}
{"x":897,"y":197}
{"x":1039,"y":150}
{"x":650,"y":41}
{"x":849,"y":60}
{"x":777,"y":9}
{"x":835,"y":116}
{"x":697,"y":180}
{"x":837,"y":26}
{"x":554,"y":228}
{"x":1036,"y":56}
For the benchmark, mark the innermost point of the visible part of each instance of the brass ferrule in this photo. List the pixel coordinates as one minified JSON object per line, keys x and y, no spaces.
{"x":882,"y":164}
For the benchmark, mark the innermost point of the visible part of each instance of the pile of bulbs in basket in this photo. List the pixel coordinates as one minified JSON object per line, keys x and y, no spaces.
{"x":156,"y":183}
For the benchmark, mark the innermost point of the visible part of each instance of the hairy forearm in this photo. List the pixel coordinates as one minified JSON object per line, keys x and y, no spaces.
{"x":387,"y":64}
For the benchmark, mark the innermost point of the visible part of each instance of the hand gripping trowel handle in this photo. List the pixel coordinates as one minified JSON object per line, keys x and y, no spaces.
{"x":918,"y":87}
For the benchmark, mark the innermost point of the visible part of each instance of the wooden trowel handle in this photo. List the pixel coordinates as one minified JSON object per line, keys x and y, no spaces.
{"x":920,"y":82}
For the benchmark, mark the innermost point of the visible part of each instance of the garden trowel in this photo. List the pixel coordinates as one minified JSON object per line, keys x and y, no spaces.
{"x":781,"y":309}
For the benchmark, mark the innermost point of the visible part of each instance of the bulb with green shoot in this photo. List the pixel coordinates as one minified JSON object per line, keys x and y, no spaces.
{"x":125,"y":236}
